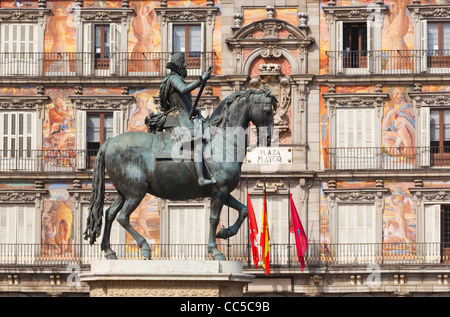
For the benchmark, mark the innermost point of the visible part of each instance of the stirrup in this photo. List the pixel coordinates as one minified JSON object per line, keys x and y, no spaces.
{"x":204,"y":182}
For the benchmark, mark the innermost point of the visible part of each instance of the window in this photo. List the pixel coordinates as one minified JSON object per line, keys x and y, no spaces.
{"x":102,"y":46}
{"x":17,"y":223}
{"x":437,"y":232}
{"x":18,"y":48}
{"x":355,"y":45}
{"x":356,"y":234}
{"x":440,"y":136}
{"x":438,"y":44}
{"x":355,"y":138}
{"x":188,"y":39}
{"x":101,"y":49}
{"x":187,"y":231}
{"x":99,"y":128}
{"x":17,"y":140}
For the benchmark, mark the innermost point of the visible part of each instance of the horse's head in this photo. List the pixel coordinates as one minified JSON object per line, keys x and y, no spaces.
{"x":261,"y":114}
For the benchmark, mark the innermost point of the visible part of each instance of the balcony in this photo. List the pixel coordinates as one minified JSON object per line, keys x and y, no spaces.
{"x":152,"y":64}
{"x":281,"y":255}
{"x":388,"y":62}
{"x":383,"y":158}
{"x":46,"y":161}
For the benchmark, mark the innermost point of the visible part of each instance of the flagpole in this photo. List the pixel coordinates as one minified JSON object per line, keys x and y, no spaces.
{"x":289,"y":222}
{"x":248,"y":232}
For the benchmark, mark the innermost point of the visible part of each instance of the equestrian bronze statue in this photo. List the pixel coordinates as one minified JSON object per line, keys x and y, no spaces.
{"x":140,"y":162}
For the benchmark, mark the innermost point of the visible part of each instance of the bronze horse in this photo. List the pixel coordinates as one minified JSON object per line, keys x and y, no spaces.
{"x":133,"y":169}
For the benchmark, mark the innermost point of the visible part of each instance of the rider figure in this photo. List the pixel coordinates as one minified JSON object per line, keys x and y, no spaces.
{"x":176,"y":104}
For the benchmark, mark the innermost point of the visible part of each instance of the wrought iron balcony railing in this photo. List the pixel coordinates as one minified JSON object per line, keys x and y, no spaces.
{"x":384,"y":158}
{"x":388,"y":62}
{"x":281,"y":255}
{"x":91,"y":65}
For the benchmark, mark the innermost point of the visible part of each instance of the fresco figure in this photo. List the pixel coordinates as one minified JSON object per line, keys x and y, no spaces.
{"x":397,"y":28}
{"x":398,"y":124}
{"x":397,"y":229}
{"x":59,"y":121}
{"x":137,"y":121}
{"x":143,"y":30}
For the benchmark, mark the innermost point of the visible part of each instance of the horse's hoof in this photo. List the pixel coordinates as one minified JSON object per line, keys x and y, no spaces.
{"x":111,"y":256}
{"x":147,"y":254}
{"x":218,"y":256}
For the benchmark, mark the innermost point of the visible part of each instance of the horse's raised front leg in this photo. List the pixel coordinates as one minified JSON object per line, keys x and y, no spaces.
{"x":232,"y":202}
{"x":217,"y":201}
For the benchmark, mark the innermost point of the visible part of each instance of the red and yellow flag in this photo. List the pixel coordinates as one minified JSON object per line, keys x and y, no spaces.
{"x":264,"y":239}
{"x":253,"y":227}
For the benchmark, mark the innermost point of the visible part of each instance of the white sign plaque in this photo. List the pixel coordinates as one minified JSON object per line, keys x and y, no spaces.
{"x":270,"y":155}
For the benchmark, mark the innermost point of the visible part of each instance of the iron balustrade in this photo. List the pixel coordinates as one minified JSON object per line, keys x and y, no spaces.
{"x":281,"y":255}
{"x":387,"y":158}
{"x":77,"y":64}
{"x":388,"y":62}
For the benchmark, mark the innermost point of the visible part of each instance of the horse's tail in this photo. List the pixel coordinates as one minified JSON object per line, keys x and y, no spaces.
{"x":94,"y":221}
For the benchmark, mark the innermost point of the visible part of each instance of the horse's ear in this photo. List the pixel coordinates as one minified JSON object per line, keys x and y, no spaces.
{"x":266,"y":90}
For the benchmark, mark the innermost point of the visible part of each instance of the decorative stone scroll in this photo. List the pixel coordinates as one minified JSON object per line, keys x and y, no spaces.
{"x":24,"y":196}
{"x":269,"y":38}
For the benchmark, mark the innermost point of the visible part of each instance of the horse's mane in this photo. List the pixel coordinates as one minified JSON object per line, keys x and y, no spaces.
{"x":221,"y":113}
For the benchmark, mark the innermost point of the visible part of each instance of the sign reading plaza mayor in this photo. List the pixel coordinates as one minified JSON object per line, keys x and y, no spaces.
{"x":270,"y":155}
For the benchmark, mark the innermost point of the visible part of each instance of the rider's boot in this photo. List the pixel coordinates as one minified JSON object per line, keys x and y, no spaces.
{"x":201,"y":179}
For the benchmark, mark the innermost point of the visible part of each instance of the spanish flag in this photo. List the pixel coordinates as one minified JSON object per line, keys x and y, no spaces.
{"x":253,"y":227}
{"x":264,"y":239}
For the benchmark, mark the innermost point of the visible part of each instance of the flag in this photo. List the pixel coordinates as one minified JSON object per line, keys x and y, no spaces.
{"x":264,"y":239}
{"x":295,"y":226}
{"x":253,"y":227}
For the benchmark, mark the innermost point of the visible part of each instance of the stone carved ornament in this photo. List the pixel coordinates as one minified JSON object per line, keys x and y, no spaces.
{"x":270,"y":76}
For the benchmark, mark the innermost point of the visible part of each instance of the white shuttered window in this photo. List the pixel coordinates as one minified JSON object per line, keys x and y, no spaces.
{"x":355,"y":138}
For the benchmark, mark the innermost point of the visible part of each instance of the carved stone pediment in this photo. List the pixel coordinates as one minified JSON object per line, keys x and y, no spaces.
{"x":270,"y":76}
{"x":356,"y":100}
{"x":83,"y":195}
{"x":23,"y":15}
{"x":270,"y":30}
{"x":431,"y":194}
{"x":191,"y":14}
{"x":14,"y":102}
{"x":270,"y":38}
{"x":356,"y":194}
{"x":429,"y":11}
{"x":438,"y":98}
{"x":109,"y":102}
{"x":354,"y":13}
{"x":102,"y":15}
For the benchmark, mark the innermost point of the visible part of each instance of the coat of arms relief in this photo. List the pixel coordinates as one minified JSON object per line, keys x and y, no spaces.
{"x":271,"y":77}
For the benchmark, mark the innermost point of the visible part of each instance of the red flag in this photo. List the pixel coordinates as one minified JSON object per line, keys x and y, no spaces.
{"x":253,"y":227}
{"x":264,"y":239}
{"x":295,"y":226}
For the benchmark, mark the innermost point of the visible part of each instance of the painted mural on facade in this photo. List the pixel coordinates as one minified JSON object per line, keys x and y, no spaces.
{"x":59,"y":123}
{"x":397,"y":128}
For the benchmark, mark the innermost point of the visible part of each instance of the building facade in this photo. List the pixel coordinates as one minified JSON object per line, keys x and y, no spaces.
{"x":360,"y":125}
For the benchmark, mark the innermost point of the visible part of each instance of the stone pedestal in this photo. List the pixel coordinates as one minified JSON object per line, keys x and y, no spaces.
{"x":140,"y":278}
